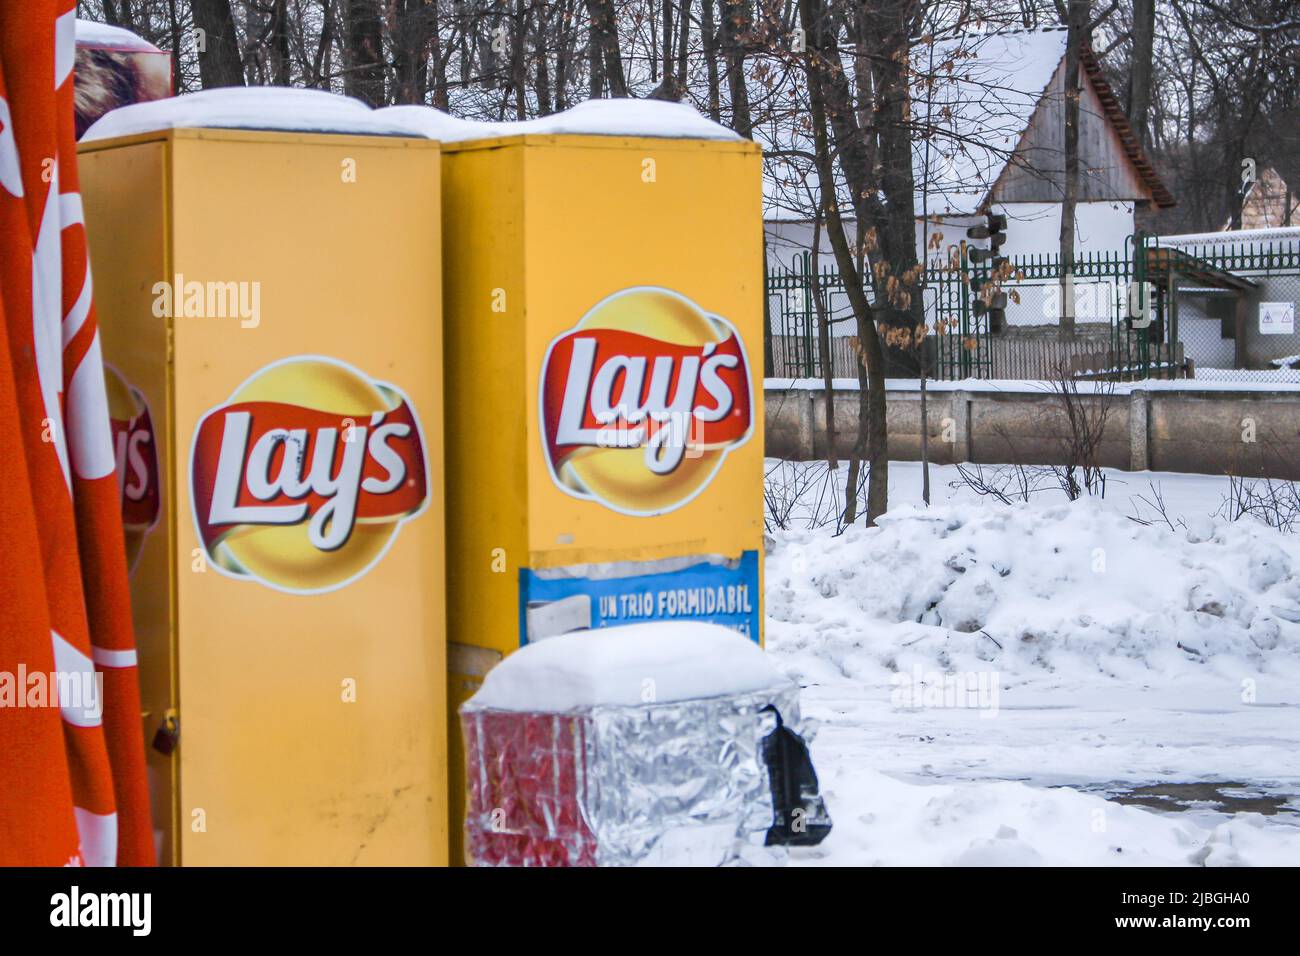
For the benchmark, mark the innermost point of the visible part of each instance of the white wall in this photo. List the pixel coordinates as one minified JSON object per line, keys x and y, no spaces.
{"x":1032,"y":229}
{"x":1035,"y":228}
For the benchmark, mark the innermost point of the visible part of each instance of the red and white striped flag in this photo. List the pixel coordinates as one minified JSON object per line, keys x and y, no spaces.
{"x":55,"y":381}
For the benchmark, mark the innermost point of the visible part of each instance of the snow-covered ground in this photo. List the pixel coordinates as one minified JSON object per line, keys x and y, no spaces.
{"x":984,"y":676}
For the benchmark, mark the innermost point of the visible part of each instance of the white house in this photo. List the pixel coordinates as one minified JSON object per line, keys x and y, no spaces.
{"x":999,"y":146}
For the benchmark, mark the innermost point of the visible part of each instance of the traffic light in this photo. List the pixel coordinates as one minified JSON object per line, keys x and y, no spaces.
{"x":996,"y":310}
{"x":993,"y":304}
{"x":994,"y":229}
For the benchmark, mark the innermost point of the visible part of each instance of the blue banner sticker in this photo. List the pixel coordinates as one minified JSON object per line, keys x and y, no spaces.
{"x":713,"y":590}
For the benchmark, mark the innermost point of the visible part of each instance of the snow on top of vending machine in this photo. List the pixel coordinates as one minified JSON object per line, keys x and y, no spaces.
{"x":103,"y":35}
{"x":653,"y":663}
{"x":656,"y":119}
{"x":255,"y":108}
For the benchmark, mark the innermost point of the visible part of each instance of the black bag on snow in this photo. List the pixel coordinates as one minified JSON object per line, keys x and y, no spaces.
{"x":799,"y":815}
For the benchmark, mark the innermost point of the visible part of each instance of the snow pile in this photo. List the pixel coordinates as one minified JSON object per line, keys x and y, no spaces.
{"x":1124,"y":655}
{"x":882,"y":821}
{"x":262,"y":108}
{"x":1069,"y":589}
{"x":615,"y":117}
{"x":628,"y":666}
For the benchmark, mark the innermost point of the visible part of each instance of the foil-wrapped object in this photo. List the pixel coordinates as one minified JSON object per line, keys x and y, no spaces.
{"x":676,"y":784}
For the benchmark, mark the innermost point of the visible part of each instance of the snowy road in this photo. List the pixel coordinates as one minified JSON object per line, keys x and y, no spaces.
{"x":1125,"y":687}
{"x":880,"y":766}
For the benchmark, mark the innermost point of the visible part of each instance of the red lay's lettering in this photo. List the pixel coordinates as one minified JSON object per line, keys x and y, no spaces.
{"x":641,"y":401}
{"x":306,"y":495}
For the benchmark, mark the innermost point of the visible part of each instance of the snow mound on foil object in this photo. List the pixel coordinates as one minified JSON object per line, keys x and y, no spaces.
{"x":615,"y":117}
{"x":628,"y":666}
{"x":104,"y":36}
{"x":252,"y":108}
{"x":629,"y":746}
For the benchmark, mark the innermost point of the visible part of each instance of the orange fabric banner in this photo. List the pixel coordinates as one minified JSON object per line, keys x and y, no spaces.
{"x":56,"y":375}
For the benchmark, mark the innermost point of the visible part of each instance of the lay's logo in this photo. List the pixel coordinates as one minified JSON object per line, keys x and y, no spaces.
{"x":135,"y":448}
{"x":303,"y":477}
{"x":641,"y":401}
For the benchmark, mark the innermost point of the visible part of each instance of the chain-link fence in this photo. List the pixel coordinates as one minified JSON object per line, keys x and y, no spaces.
{"x":1230,"y":303}
{"x":1220,"y":308}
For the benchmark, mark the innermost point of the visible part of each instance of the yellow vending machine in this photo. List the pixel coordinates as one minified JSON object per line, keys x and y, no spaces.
{"x":603,"y":299}
{"x":270,"y":306}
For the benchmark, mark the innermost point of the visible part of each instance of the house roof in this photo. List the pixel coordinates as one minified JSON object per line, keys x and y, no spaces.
{"x":980,"y":115}
{"x":1236,"y":240}
{"x":1127,"y":135}
{"x":988,"y":88}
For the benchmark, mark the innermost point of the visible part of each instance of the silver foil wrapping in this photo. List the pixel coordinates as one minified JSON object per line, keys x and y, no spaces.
{"x":672,"y":784}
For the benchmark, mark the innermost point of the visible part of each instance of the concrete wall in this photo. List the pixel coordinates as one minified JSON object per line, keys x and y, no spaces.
{"x":1157,"y":426}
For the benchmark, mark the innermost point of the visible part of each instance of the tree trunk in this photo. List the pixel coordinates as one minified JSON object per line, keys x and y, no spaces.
{"x":735,"y":29}
{"x":823,"y":341}
{"x":769,"y":360}
{"x":667,"y":88}
{"x":364,"y":78}
{"x":280,"y":75}
{"x":320,"y":63}
{"x":438,"y":60}
{"x":1140,"y":68}
{"x":668,"y":43}
{"x":542,"y":73}
{"x":605,"y":39}
{"x":925,"y":439}
{"x":1076,"y":26}
{"x":563,"y":53}
{"x":872,"y":437}
{"x":1234,"y":192}
{"x":174,"y":29}
{"x":219,"y":60}
{"x":518,"y":66}
{"x":709,"y":39}
{"x":898,"y":298}
{"x":596,"y":58}
{"x":854,"y":145}
{"x":683,"y":46}
{"x":409,"y":39}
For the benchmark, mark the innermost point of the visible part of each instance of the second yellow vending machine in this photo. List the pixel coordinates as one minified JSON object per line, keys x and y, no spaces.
{"x":603,"y":299}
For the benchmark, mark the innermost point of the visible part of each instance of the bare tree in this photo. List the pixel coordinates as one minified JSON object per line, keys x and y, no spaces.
{"x":604,"y":41}
{"x":824,"y":82}
{"x":218,"y":53}
{"x":364,"y":77}
{"x":1075,"y":15}
{"x":1138,"y":87}
{"x":736,"y":22}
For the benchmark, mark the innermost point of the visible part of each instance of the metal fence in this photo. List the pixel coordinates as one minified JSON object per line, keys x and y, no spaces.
{"x":1230,"y":304}
{"x":1220,"y":310}
{"x":958,"y":349}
